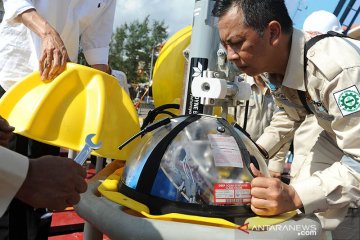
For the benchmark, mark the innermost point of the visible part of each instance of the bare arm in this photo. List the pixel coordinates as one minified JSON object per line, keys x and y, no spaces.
{"x":53,"y":56}
{"x":102,"y":67}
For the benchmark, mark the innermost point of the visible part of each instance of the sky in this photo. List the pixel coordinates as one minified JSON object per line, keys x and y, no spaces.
{"x":299,"y":10}
{"x":178,"y":14}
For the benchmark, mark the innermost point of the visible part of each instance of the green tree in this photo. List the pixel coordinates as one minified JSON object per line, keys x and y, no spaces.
{"x":132,"y":46}
{"x":1,"y":10}
{"x":117,"y":48}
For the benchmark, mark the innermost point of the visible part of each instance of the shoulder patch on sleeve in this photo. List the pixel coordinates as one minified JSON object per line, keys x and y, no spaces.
{"x":348,"y":100}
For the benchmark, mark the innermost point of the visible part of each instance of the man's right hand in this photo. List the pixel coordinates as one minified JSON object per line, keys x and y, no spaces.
{"x":275,"y":174}
{"x":53,"y":182}
{"x":270,"y":196}
{"x":54,"y":55}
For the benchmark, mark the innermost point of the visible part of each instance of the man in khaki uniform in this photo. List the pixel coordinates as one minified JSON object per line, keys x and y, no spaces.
{"x":255,"y":115}
{"x":307,"y":134}
{"x":259,"y":37}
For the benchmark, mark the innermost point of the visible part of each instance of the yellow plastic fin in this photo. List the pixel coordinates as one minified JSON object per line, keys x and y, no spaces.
{"x":259,"y":222}
{"x":169,"y":70}
{"x":62,"y":112}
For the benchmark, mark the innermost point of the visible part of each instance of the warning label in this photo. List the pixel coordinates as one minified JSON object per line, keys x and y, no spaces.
{"x":232,"y":193}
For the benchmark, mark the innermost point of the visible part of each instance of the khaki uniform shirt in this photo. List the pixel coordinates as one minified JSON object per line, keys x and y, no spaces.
{"x":333,"y":80}
{"x":260,"y":112}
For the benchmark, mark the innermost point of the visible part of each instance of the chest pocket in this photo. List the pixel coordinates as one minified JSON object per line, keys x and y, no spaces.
{"x":319,"y":110}
{"x":250,"y":104}
{"x":281,"y":98}
{"x":291,"y":111}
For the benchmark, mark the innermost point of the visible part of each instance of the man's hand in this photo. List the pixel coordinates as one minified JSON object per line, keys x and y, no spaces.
{"x":271,"y":197}
{"x":54,"y":55}
{"x":275,"y":174}
{"x":6,"y":132}
{"x":53,"y":182}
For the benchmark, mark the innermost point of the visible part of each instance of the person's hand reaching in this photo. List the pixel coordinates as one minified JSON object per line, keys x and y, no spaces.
{"x":53,"y":57}
{"x":270,"y":196}
{"x":53,"y":182}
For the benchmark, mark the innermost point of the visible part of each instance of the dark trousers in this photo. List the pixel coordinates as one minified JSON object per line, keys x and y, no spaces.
{"x":21,"y":221}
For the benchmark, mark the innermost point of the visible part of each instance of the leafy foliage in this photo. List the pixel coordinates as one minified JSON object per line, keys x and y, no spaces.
{"x":132,"y":46}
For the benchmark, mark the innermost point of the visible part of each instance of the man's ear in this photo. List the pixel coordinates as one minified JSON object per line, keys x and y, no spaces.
{"x":275,"y":32}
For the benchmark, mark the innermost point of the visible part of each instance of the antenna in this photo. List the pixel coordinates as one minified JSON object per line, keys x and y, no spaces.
{"x":350,"y":13}
{"x":301,"y":5}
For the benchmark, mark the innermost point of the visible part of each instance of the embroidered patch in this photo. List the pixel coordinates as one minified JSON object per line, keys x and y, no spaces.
{"x":348,"y":100}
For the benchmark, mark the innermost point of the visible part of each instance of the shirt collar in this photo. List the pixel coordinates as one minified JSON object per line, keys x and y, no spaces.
{"x":250,"y":80}
{"x":294,"y":74}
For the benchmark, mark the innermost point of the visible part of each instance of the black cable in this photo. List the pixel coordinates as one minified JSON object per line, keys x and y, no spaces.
{"x":161,"y":109}
{"x":147,"y":129}
{"x":246,"y":114}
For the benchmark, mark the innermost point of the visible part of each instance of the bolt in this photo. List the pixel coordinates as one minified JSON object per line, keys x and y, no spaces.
{"x":220,"y":129}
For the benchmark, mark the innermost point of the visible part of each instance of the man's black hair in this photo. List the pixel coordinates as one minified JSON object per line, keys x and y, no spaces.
{"x":257,"y":13}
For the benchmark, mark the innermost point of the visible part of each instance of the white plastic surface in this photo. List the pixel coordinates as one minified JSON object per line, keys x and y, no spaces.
{"x":206,"y":87}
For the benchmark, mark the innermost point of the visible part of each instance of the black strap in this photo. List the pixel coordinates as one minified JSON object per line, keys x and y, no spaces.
{"x":152,"y":114}
{"x":147,"y":129}
{"x":308,"y":45}
{"x":151,"y":167}
{"x":235,"y":113}
{"x":243,"y":150}
{"x":302,"y":96}
{"x":262,"y":151}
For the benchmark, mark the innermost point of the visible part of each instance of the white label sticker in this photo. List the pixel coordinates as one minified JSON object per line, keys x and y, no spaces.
{"x":225,"y":151}
{"x":232,"y":193}
{"x":219,"y":141}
